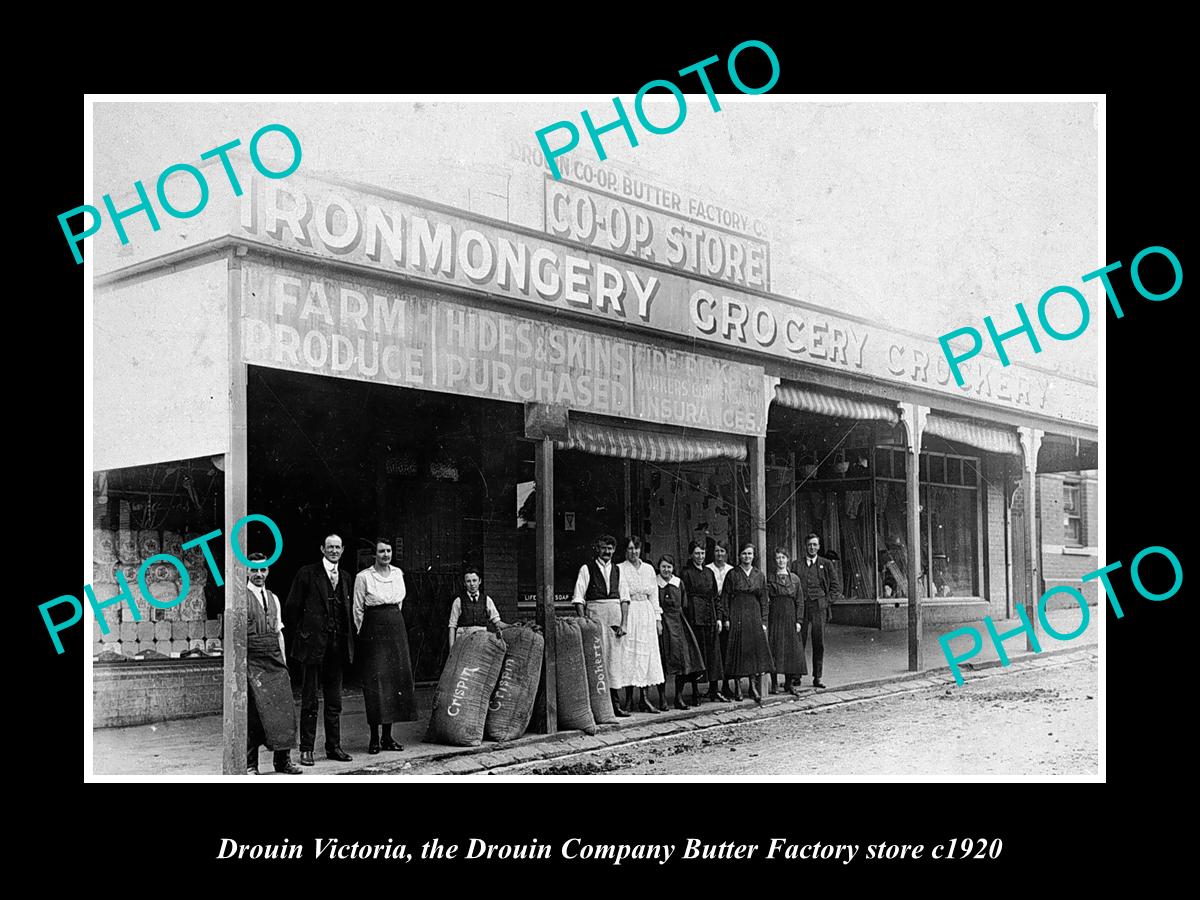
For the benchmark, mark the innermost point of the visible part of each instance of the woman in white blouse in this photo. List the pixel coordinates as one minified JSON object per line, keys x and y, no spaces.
{"x":638,"y":662}
{"x":387,"y":679}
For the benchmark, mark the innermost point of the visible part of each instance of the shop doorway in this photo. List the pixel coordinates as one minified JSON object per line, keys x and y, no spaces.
{"x":433,"y":473}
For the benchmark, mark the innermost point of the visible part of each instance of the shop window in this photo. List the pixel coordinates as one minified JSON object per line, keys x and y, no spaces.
{"x":838,"y":508}
{"x":140,"y":512}
{"x":949,"y":556}
{"x":1073,"y":535}
{"x":883,"y":463}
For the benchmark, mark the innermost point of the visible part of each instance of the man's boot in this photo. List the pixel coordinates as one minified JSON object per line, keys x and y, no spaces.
{"x":618,"y":709}
{"x":284,"y":764}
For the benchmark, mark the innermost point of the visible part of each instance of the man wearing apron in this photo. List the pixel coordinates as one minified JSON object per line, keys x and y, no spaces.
{"x":598,"y":595}
{"x":271,"y":712}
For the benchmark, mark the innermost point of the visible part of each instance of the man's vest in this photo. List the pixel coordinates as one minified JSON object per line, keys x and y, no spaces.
{"x":259,"y":620}
{"x":472,"y":614}
{"x":813,"y":589}
{"x":595,"y":588}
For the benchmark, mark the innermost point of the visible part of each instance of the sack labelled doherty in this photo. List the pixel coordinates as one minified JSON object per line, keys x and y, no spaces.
{"x":126,"y":594}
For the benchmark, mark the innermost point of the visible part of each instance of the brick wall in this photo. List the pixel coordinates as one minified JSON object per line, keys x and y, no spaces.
{"x":1063,"y":565}
{"x":500,"y":562}
{"x":138,"y":693}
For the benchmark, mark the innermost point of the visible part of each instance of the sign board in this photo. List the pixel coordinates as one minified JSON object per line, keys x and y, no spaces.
{"x":545,"y":420}
{"x":548,"y":277}
{"x":613,"y":225}
{"x":307,"y":320}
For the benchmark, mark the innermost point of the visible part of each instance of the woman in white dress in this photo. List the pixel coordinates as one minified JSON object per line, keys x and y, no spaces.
{"x":720,"y":567}
{"x":639,"y":662}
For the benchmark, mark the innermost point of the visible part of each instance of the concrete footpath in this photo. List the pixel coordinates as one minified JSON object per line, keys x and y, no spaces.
{"x":860,"y":663}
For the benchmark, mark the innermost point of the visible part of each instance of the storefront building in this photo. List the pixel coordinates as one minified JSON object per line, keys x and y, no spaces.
{"x":347,"y":359}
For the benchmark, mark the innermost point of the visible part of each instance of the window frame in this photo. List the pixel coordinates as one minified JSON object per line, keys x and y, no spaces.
{"x":1069,"y":539}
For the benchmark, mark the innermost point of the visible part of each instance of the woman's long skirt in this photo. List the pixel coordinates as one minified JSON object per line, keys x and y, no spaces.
{"x":637,"y":661}
{"x":784,"y":639}
{"x":678,"y":646}
{"x":710,"y":641}
{"x":749,"y":653}
{"x":387,"y":678}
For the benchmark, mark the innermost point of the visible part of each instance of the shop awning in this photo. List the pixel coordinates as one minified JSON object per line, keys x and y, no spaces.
{"x":992,"y":438}
{"x":650,"y":446}
{"x":804,"y":398}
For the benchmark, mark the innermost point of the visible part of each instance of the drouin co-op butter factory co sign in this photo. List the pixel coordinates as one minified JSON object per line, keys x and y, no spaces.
{"x":332,"y":220}
{"x":311,"y":322}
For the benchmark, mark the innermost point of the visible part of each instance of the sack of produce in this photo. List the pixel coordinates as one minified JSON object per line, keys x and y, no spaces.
{"x":460,"y":702}
{"x":511,"y":705}
{"x":598,"y":687}
{"x":571,"y":678}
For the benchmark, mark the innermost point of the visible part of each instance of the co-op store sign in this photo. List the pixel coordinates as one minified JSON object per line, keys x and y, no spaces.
{"x":338,"y":221}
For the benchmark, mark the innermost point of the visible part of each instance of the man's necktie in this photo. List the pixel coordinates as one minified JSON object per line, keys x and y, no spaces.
{"x":333,"y":578}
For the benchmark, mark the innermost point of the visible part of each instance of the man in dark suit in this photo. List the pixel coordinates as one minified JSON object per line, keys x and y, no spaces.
{"x":820,"y":583}
{"x":318,"y":618}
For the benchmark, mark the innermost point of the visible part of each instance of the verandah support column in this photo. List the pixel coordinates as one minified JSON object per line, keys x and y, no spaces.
{"x":758,"y":503}
{"x":758,"y":514}
{"x":913,"y":417}
{"x":233,"y":639}
{"x":1031,"y":443}
{"x":544,"y":477}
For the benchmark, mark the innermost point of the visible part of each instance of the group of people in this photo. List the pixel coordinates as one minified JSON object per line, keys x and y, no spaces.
{"x":713,"y":622}
{"x":333,"y":619}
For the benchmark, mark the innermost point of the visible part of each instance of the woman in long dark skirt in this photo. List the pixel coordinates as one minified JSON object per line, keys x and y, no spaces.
{"x":702,"y":602}
{"x":784,"y":624}
{"x":680,"y":652}
{"x":748,"y":602}
{"x":387,"y":678}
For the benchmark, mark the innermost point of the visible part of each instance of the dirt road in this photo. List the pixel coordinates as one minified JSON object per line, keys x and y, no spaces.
{"x":1022,"y":722}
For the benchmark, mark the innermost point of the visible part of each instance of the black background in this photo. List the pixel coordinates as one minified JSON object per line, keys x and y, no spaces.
{"x":1056,"y":830}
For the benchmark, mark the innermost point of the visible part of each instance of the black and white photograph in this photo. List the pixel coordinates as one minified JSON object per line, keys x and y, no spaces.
{"x":704,"y":435}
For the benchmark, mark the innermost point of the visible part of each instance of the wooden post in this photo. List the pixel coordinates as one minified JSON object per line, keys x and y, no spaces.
{"x":1031,"y":443}
{"x":233,"y":642}
{"x":758,"y":503}
{"x":544,"y":476}
{"x":914,"y":420}
{"x":758,"y":507}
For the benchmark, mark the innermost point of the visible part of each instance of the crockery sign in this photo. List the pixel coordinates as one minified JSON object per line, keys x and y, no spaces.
{"x":335,"y":221}
{"x":307,"y":322}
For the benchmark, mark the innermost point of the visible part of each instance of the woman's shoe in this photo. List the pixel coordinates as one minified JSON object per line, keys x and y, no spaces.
{"x":644,"y":706}
{"x":373,"y":747}
{"x":389,"y":744}
{"x":682,"y":704}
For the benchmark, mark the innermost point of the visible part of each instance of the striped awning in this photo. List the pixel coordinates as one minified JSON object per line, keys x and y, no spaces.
{"x":650,"y":446}
{"x":992,"y":438}
{"x":808,"y":400}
